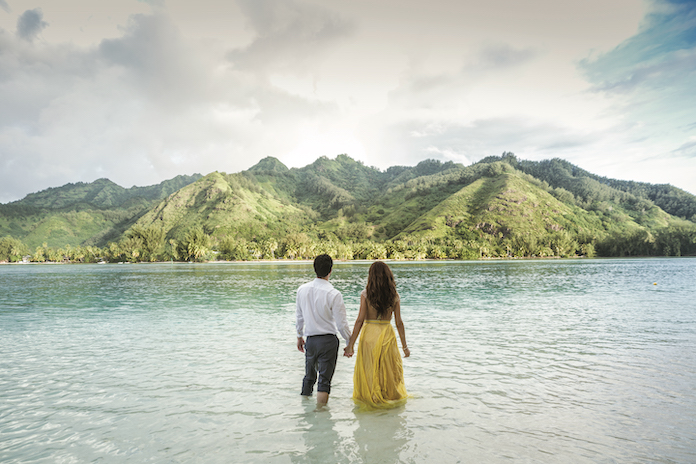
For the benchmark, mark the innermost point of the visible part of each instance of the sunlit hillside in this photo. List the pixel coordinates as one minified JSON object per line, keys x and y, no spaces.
{"x":498,"y":207}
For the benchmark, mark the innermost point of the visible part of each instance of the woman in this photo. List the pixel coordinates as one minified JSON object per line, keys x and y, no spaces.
{"x":378,"y":381}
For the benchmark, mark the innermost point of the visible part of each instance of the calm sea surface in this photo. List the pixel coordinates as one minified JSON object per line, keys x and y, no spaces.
{"x":563,"y":361}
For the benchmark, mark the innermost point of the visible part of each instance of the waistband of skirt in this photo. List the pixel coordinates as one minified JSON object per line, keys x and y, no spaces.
{"x":376,"y":321}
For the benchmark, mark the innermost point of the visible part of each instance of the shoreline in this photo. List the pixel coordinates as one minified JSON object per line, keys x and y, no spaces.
{"x":342,"y":261}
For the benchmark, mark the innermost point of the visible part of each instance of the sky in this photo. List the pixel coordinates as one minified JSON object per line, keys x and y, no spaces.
{"x":141,"y":91}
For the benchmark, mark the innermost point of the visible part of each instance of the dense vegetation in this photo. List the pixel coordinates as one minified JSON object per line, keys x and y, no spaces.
{"x":499,"y":207}
{"x":81,"y":214}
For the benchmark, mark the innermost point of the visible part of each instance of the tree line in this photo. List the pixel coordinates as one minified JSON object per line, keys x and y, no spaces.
{"x":150,"y":244}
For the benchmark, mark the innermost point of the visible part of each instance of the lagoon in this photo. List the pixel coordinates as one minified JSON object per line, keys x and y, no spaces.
{"x":589,"y":360}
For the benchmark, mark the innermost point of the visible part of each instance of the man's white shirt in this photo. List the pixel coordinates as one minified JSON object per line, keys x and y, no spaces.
{"x":320,"y":310}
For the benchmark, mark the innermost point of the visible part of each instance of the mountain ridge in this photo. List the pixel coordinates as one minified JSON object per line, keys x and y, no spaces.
{"x":498,"y":207}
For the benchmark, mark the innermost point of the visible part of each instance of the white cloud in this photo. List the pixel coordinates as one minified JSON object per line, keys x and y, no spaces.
{"x":139,"y":108}
{"x":290,"y":36}
{"x":142,"y":91}
{"x":470,"y":142}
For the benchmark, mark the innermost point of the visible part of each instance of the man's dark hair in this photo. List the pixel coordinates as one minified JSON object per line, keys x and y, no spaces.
{"x":323,"y":265}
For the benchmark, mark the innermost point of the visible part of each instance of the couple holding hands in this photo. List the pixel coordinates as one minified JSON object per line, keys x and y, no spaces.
{"x":378,"y":380}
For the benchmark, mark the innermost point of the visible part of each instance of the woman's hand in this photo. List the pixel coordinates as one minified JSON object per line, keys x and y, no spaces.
{"x":348,"y":351}
{"x":407,"y":352}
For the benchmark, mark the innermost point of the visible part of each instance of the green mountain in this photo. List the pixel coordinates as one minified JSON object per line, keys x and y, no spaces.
{"x":82,"y":213}
{"x":590,"y":189}
{"x":498,"y":207}
{"x":223,"y":204}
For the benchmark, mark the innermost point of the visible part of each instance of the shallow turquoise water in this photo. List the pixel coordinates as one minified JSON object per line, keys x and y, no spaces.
{"x":512,"y":361}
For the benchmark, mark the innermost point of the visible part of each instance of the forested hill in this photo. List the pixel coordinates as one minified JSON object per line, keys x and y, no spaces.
{"x":102,"y":193}
{"x":498,"y":207}
{"x":589,"y":188}
{"x":82,"y":214}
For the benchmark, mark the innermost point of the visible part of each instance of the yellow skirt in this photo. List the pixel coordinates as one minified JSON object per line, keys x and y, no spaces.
{"x":378,"y":381}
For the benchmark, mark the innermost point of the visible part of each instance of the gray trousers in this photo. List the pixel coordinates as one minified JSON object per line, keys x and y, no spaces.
{"x":321,"y":353}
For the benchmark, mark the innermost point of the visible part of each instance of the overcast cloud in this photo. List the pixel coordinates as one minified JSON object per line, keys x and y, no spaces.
{"x":30,"y":24}
{"x":140,"y":92}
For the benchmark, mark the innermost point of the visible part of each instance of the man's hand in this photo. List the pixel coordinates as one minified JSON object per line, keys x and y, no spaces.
{"x":348,"y":352}
{"x":300,"y":344}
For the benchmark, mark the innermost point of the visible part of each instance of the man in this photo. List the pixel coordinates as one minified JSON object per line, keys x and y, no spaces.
{"x":321,"y":314}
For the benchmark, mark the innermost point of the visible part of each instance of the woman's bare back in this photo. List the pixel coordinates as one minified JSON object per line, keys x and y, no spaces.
{"x":372,"y":312}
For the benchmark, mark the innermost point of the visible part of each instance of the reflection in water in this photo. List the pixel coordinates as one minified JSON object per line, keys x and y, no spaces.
{"x":578,"y":361}
{"x":381,"y":435}
{"x":322,"y":441}
{"x":351,"y":436}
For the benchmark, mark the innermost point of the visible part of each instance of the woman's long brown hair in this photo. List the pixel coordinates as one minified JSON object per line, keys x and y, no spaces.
{"x":381,"y":288}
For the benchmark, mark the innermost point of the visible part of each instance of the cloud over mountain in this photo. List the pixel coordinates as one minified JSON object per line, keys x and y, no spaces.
{"x":142,"y":91}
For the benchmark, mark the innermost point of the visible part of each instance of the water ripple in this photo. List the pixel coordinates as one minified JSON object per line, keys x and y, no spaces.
{"x":534,"y":361}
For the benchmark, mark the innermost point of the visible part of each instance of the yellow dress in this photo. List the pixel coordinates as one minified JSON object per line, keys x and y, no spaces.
{"x":378,"y":381}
